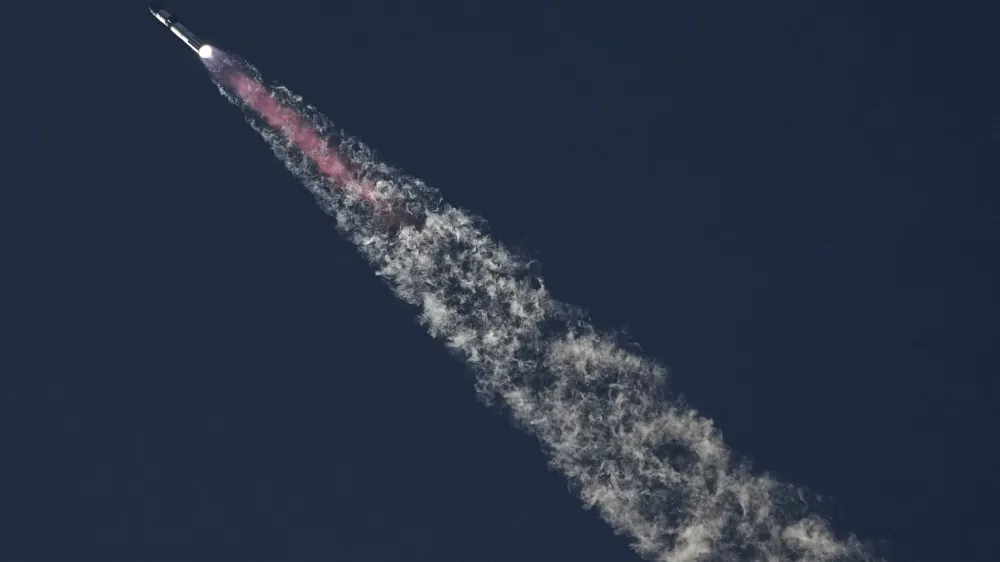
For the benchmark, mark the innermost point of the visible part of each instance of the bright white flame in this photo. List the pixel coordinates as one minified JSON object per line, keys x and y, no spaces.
{"x":205,"y":51}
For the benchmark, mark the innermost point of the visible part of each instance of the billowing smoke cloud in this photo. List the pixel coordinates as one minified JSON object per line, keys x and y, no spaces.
{"x":650,"y":465}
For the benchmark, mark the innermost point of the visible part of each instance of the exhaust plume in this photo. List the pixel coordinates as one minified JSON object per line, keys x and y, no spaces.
{"x":649,"y":464}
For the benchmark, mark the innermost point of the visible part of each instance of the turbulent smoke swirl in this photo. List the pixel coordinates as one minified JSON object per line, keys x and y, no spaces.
{"x":653,"y":468}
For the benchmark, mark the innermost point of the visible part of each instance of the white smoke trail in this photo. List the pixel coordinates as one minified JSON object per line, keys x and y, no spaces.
{"x":654,"y":469}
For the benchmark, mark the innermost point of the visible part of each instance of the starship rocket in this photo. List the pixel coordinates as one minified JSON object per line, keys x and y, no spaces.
{"x":181,"y":31}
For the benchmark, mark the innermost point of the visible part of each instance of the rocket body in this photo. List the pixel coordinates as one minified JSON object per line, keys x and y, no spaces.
{"x":181,"y":31}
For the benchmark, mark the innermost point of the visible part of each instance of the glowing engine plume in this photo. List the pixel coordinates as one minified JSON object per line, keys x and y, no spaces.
{"x":653,"y":468}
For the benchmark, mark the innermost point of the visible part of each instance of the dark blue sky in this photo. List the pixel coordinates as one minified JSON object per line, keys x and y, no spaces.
{"x":786,"y":204}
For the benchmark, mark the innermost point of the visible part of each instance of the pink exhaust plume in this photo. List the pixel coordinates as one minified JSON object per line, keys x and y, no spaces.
{"x":296,"y":129}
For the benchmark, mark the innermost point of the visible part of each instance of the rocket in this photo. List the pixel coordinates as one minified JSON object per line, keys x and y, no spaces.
{"x":182,"y":32}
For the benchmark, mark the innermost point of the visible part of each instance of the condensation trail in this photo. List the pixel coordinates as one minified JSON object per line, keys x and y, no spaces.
{"x":653,"y":468}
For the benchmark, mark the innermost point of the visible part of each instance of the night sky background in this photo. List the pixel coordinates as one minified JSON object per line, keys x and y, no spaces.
{"x":790,"y":204}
